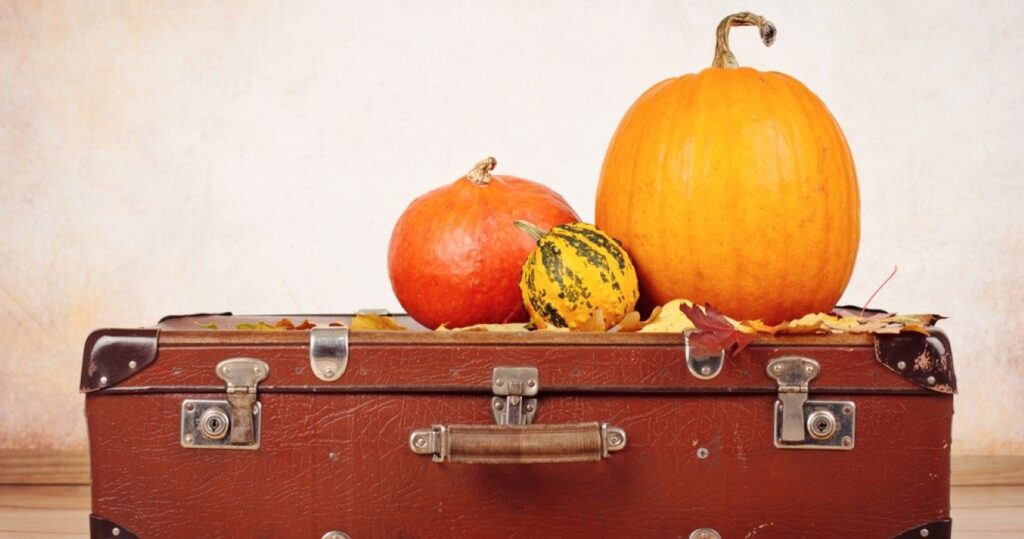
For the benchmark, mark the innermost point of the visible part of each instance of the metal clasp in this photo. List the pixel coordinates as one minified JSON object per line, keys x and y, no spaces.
{"x":230,"y":424}
{"x":808,"y":424}
{"x":328,"y":352}
{"x":510,"y":385}
{"x":702,"y":367}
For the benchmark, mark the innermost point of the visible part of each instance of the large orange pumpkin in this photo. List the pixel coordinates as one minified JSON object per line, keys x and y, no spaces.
{"x":456,"y":255}
{"x":734,"y":187}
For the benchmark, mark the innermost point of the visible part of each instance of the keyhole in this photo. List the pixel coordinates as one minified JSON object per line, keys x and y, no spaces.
{"x":213,"y":424}
{"x":822,"y":425}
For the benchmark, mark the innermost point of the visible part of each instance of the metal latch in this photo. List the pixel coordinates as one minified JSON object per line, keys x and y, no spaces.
{"x":510,"y":386}
{"x":701,"y":366}
{"x":328,"y":352}
{"x":231,"y":424}
{"x":808,"y":424}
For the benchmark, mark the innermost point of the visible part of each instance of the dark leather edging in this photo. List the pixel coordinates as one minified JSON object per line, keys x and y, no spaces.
{"x":101,"y":528}
{"x":925,"y":360}
{"x":109,"y":355}
{"x":940,"y":529}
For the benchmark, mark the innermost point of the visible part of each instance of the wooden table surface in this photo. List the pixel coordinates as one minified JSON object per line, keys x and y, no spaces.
{"x":35,"y":512}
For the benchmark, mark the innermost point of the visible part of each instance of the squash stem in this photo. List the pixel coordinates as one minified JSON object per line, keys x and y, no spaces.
{"x":533,"y":230}
{"x":481,"y":173}
{"x":723,"y":55}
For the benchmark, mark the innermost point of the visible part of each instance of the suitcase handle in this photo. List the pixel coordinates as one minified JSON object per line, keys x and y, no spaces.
{"x":518,"y":444}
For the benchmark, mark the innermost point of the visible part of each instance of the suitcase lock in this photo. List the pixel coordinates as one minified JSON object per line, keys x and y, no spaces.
{"x":808,"y":424}
{"x":227,"y":424}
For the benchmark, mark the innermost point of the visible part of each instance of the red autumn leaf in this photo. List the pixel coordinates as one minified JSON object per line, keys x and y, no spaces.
{"x":284,"y":323}
{"x":714,"y":332}
{"x":306,"y":324}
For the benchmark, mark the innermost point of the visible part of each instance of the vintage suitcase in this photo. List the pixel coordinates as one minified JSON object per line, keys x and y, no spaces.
{"x":327,"y":433}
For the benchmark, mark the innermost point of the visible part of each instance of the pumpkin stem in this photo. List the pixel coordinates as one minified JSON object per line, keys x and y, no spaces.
{"x":481,"y":173}
{"x":724,"y":56}
{"x":533,"y":230}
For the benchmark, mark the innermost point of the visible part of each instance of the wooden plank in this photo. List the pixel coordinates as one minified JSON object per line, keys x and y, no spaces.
{"x":977,"y":470}
{"x":63,"y":511}
{"x":44,"y":467}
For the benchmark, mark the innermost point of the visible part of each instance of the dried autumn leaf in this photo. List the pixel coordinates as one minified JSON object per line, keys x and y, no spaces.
{"x":207,"y":325}
{"x":337,"y":325}
{"x":375,"y":322}
{"x":306,"y":324}
{"x":284,"y":323}
{"x":489,"y":327}
{"x":594,"y":323}
{"x":632,"y":323}
{"x":259,"y":326}
{"x":807,"y":324}
{"x":714,"y":332}
{"x":670,"y":319}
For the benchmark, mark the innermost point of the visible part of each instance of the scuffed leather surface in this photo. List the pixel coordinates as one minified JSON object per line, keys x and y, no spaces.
{"x":570,"y":369}
{"x":342,"y":462}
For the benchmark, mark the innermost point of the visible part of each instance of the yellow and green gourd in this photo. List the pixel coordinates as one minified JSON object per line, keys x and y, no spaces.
{"x":575,"y":270}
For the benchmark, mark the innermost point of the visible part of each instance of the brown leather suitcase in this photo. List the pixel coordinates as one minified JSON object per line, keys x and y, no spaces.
{"x":327,"y":433}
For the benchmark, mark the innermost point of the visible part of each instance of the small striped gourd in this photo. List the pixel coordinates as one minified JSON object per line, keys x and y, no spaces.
{"x":575,"y":270}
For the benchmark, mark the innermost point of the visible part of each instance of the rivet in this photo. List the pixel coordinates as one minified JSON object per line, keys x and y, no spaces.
{"x":530,"y":407}
{"x":255,"y":410}
{"x":132,"y":364}
{"x":705,"y":370}
{"x":702,"y":453}
{"x":190,"y":407}
{"x":809,"y":369}
{"x":531,"y":383}
{"x":924,"y":532}
{"x":614,"y":439}
{"x":227,"y":370}
{"x":115,"y":532}
{"x":777,"y":367}
{"x":328,"y":372}
{"x":498,"y":405}
{"x":499,"y":382}
{"x":257,"y":370}
{"x":847,"y":441}
{"x":189,"y":439}
{"x":930,"y":380}
{"x":847,"y":410}
{"x":103,"y":380}
{"x":332,"y":455}
{"x":421,"y":442}
{"x":901,"y":365}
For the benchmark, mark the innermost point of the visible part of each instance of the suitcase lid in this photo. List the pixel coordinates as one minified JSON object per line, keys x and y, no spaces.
{"x":181,"y":354}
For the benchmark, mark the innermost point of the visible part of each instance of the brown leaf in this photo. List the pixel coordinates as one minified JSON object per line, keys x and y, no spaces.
{"x":714,"y":331}
{"x":284,"y":323}
{"x":375,"y":322}
{"x":306,"y":324}
{"x":336,"y":325}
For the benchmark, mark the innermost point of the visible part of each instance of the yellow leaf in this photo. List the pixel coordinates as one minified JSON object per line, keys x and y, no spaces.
{"x":488,"y":327}
{"x":258,"y":326}
{"x":208,"y":325}
{"x":670,"y":319}
{"x":375,"y":322}
{"x":807,"y":324}
{"x":631,"y":322}
{"x":594,"y":323}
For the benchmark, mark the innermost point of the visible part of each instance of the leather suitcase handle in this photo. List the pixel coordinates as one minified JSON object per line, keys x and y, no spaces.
{"x":518,"y":444}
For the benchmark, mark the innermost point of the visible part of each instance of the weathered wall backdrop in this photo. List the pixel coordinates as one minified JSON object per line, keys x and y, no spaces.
{"x":176,"y":157}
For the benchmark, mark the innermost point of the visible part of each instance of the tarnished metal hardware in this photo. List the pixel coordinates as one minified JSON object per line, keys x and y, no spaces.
{"x":512,"y":387}
{"x":808,"y":424}
{"x":705,"y":533}
{"x":518,"y":444}
{"x":941,"y":529}
{"x":335,"y":535}
{"x":227,"y":424}
{"x":112,"y":356}
{"x":242,"y":374}
{"x":328,"y":352}
{"x":925,"y":360}
{"x":102,"y":528}
{"x":703,"y":367}
{"x":205,"y":424}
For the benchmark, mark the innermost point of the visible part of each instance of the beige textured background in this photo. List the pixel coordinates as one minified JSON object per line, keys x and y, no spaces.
{"x":177,"y":157}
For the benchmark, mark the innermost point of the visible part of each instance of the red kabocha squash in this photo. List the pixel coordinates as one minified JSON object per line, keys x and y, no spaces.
{"x":734,"y":187}
{"x":455,"y":255}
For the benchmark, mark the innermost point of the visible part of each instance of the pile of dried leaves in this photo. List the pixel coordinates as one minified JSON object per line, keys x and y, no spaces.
{"x":709,"y":328}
